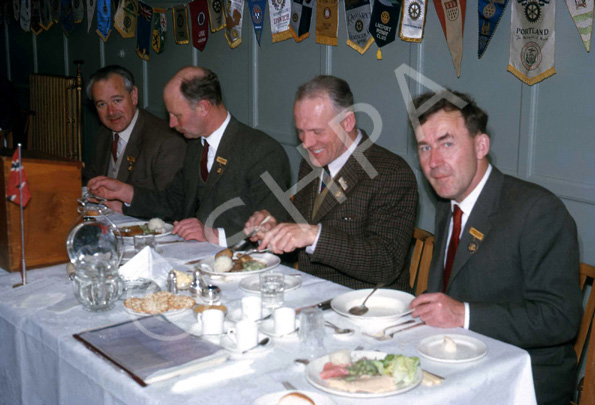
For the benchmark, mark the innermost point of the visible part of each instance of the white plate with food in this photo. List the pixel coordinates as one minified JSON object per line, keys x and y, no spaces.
{"x":294,"y":397}
{"x":400,"y":373}
{"x":252,"y":284}
{"x":161,"y":302}
{"x":452,"y":348}
{"x":233,"y":266}
{"x":130,"y":229}
{"x":384,"y":305}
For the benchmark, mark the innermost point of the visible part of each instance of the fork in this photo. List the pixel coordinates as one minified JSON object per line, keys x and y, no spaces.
{"x":289,"y":386}
{"x":390,"y":336}
{"x":383,"y":333}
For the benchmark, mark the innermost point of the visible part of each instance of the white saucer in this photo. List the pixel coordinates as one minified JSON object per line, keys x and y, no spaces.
{"x":230,"y":346}
{"x":235,"y":315}
{"x":268,"y":328}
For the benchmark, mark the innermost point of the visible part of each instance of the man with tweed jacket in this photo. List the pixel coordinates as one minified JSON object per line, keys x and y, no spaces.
{"x":354,"y":218}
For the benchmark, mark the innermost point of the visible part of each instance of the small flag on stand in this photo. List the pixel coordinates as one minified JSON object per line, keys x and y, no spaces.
{"x":14,"y":184}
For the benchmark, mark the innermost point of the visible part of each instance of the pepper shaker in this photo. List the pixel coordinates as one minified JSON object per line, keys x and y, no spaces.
{"x":172,"y":285}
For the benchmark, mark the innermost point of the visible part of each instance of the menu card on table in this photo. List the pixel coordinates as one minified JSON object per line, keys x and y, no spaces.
{"x":152,"y":349}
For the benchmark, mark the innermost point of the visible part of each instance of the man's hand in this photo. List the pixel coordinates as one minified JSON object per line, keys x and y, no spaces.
{"x":255,"y":220}
{"x":115,"y":205}
{"x":287,"y":237}
{"x":111,"y":189}
{"x":437,"y":309}
{"x":193,"y":229}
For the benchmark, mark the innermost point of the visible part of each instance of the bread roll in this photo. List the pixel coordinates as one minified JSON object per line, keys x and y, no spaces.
{"x":223,"y":264}
{"x":225,"y":252}
{"x":295,"y":398}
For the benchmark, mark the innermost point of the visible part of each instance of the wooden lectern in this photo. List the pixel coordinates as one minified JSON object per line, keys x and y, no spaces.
{"x":55,"y":185}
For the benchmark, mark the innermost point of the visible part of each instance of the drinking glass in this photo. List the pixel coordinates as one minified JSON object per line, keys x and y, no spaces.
{"x":272,"y":287}
{"x":312,"y":332}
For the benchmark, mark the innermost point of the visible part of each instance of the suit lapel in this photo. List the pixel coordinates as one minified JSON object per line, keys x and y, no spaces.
{"x":479,"y":223}
{"x":105,"y":147}
{"x":443,"y":215}
{"x":133,"y":148}
{"x":223,"y":156}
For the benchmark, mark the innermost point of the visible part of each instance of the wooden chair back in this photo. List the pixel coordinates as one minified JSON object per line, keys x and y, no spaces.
{"x":587,"y":396}
{"x":420,"y":260}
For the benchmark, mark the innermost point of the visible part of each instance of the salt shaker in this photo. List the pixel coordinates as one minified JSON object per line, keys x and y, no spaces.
{"x":172,"y":285}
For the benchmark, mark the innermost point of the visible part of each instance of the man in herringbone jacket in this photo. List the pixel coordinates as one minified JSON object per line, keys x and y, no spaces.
{"x":354,"y":219}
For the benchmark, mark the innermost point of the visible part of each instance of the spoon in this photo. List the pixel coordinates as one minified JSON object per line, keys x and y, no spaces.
{"x":338,"y":331}
{"x":362,"y":309}
{"x":261,"y":343}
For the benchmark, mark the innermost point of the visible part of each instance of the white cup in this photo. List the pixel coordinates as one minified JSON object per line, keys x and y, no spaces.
{"x":244,"y":335}
{"x":212,"y":321}
{"x":284,"y":319}
{"x":251,"y":308}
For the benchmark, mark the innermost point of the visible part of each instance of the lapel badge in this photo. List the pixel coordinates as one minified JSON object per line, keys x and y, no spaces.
{"x":474,"y":245}
{"x":131,"y":160}
{"x":476,"y":234}
{"x":343,"y":183}
{"x":221,"y":160}
{"x":219,"y":171}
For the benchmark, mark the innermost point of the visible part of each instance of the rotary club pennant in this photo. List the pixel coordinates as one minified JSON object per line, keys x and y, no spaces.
{"x":384,"y":22}
{"x":55,"y":7}
{"x":257,"y":10}
{"x":25,"y":15}
{"x":451,"y":14}
{"x":216,"y":15}
{"x":357,"y":20}
{"x":327,"y":21}
{"x":581,"y":12}
{"x":78,"y":11}
{"x":199,"y":15}
{"x":181,"y":34}
{"x":143,"y":30}
{"x":159,"y":37}
{"x":413,"y":20}
{"x":533,"y":40}
{"x":490,"y":12}
{"x":301,"y":16}
{"x":90,"y":13}
{"x":280,"y":16}
{"x":35,"y":17}
{"x":104,"y":19}
{"x":45,"y":15}
{"x":233,"y":10}
{"x":125,"y":18}
{"x":16,"y":8}
{"x":66,"y":17}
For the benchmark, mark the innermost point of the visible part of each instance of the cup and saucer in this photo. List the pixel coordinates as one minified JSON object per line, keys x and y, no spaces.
{"x":282,"y":324}
{"x":249,"y":308}
{"x":243,"y":339}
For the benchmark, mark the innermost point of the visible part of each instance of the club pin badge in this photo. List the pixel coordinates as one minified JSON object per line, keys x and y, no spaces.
{"x":343,"y":183}
{"x":477,"y":237}
{"x":222,"y":162}
{"x":131,"y":161}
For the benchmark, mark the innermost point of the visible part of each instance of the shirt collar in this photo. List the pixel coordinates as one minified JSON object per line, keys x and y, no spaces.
{"x":336,"y":165}
{"x":125,"y":135}
{"x":469,"y":202}
{"x":215,"y":138}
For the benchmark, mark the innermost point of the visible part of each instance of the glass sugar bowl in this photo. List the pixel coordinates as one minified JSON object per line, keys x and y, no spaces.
{"x":95,"y":247}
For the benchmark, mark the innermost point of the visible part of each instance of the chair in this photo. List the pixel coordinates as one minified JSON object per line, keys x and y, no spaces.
{"x":6,"y":135}
{"x":587,"y":396}
{"x":420,"y":260}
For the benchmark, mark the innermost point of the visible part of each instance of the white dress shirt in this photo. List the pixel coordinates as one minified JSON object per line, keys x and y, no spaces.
{"x":124,"y":137}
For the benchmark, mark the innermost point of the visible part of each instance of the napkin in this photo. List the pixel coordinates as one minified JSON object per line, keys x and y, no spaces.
{"x":226,"y":372}
{"x":147,"y":264}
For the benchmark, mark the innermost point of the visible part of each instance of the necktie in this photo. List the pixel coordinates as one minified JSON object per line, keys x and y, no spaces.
{"x":454,"y":243}
{"x":326,"y":178}
{"x":204,"y":172}
{"x":115,"y":146}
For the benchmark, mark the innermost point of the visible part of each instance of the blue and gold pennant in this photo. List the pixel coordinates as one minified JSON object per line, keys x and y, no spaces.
{"x":490,"y":13}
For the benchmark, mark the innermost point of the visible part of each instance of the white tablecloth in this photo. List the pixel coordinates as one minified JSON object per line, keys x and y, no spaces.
{"x":41,"y":363}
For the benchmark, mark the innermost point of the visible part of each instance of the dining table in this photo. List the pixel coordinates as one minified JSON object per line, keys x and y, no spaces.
{"x":42,"y":363}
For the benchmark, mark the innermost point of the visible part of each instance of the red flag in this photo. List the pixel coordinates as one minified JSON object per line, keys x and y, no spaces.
{"x":12,"y":189}
{"x":199,"y":15}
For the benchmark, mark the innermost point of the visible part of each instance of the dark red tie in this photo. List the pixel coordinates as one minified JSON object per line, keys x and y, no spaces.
{"x":115,"y":147}
{"x":454,"y":243}
{"x":204,"y":172}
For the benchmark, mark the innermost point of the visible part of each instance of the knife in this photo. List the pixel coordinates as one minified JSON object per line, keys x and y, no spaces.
{"x":409,"y":327}
{"x":324,"y":305}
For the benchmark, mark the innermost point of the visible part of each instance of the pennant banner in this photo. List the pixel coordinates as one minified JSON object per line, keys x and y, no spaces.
{"x":451,"y":14}
{"x":16,"y":8}
{"x":104,"y":19}
{"x":26,"y":15}
{"x":384,"y":22}
{"x":490,"y":12}
{"x":257,"y":11}
{"x":13,"y":186}
{"x":66,"y":17}
{"x":45,"y":20}
{"x":181,"y":25}
{"x":78,"y":11}
{"x":199,"y":15}
{"x":216,"y":15}
{"x":55,"y":7}
{"x":125,"y":18}
{"x":301,"y":16}
{"x":581,"y":12}
{"x":327,"y":22}
{"x":413,"y":20}
{"x":280,"y":16}
{"x":143,"y":30}
{"x":234,"y":10}
{"x":159,"y":37}
{"x":357,"y":21}
{"x":90,"y":13}
{"x":35,"y":17}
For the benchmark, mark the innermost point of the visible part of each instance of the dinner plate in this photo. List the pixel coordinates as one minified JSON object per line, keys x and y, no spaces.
{"x":252,"y":284}
{"x":269,"y":259}
{"x":275,"y":397}
{"x":314,"y":368}
{"x":384,"y":305}
{"x":468,"y":349}
{"x":167,"y":228}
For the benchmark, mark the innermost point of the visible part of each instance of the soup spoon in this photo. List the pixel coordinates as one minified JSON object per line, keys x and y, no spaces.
{"x":362,"y":309}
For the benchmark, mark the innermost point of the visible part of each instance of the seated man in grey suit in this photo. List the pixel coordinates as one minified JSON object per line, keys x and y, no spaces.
{"x":354,"y":218}
{"x":220,"y":183}
{"x":133,"y":145}
{"x":506,"y":262}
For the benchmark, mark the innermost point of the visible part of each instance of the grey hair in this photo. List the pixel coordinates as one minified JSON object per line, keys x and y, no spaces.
{"x":202,"y":87}
{"x":337,"y":90}
{"x":105,"y":72}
